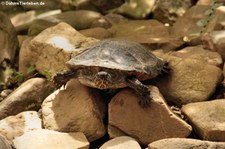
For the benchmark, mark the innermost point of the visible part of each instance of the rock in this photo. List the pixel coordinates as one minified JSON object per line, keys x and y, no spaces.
{"x":139,"y":27}
{"x":204,"y":2}
{"x":123,"y":142}
{"x":76,"y":108}
{"x":38,"y":25}
{"x":79,"y":19}
{"x":150,"y":32}
{"x":138,"y":9}
{"x":48,"y":139}
{"x":199,"y":53}
{"x":218,"y":41}
{"x":207,"y":118}
{"x":98,"y":33}
{"x":26,"y":56}
{"x":105,"y":5}
{"x":146,"y":125}
{"x":53,"y":47}
{"x":108,"y":20}
{"x":224,"y":69}
{"x":76,"y":5}
{"x":4,"y":143}
{"x":208,"y":2}
{"x":187,"y":24}
{"x":14,"y":126}
{"x":183,"y":143}
{"x":114,"y":18}
{"x":5,"y":93}
{"x":42,"y":5}
{"x":220,"y":17}
{"x":23,"y":20}
{"x":168,"y":11}
{"x":22,"y":38}
{"x":28,"y":96}
{"x":8,"y":37}
{"x":191,"y":80}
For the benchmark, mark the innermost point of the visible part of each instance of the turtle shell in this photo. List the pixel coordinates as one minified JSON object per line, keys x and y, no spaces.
{"x":117,"y":54}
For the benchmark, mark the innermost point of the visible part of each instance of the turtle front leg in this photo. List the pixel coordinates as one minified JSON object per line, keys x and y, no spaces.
{"x":61,"y":78}
{"x":141,"y":90}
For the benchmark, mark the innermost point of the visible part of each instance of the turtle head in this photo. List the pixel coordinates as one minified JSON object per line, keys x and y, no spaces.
{"x":97,"y":79}
{"x":102,"y":79}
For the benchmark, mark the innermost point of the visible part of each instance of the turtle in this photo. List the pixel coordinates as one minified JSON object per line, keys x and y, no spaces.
{"x":115,"y":63}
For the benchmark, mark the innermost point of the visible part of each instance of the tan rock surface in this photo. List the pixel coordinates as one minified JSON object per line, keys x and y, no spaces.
{"x":136,"y":9}
{"x":207,"y":118}
{"x":169,"y":11}
{"x":224,"y":69}
{"x":98,"y":33}
{"x":14,"y":126}
{"x":190,"y":80}
{"x":9,"y":43}
{"x":78,"y":19}
{"x":26,"y":56}
{"x":144,"y":124}
{"x":48,"y":139}
{"x":4,"y":143}
{"x":218,"y":40}
{"x":150,"y":32}
{"x":183,"y":143}
{"x":76,"y":108}
{"x":199,"y":53}
{"x":55,"y":46}
{"x":8,"y":38}
{"x":29,"y":96}
{"x":123,"y":142}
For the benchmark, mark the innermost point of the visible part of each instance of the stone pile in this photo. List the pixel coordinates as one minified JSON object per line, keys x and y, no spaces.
{"x":37,"y":115}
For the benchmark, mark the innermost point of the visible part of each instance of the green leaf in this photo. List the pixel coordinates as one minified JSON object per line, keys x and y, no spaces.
{"x":217,"y":5}
{"x":31,"y":69}
{"x":47,"y":74}
{"x":9,"y":72}
{"x":2,"y":83}
{"x":202,"y":23}
{"x":208,"y":12}
{"x":19,"y":77}
{"x":195,"y":34}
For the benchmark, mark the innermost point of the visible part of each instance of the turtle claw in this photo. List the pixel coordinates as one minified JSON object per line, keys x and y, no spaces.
{"x":61,"y":78}
{"x":145,"y":100}
{"x":166,"y":68}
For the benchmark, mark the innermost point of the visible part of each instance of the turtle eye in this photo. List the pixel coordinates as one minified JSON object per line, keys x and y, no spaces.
{"x":103,"y":75}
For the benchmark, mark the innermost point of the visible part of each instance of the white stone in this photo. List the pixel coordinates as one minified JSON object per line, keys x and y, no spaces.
{"x":123,"y":142}
{"x":17,"y":125}
{"x":48,"y":139}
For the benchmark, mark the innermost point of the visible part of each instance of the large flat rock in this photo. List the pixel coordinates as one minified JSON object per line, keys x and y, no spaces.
{"x":28,"y":96}
{"x":14,"y":126}
{"x":50,"y":49}
{"x":148,"y":124}
{"x":123,"y":142}
{"x":183,"y":143}
{"x":207,"y":118}
{"x":76,"y":108}
{"x":48,"y":139}
{"x":193,"y":77}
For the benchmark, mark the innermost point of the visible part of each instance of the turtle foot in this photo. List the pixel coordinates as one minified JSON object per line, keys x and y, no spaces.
{"x":145,"y":100}
{"x":61,"y":78}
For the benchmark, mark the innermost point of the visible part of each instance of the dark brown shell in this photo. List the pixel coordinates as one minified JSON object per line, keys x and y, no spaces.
{"x":119,"y":55}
